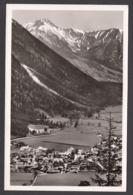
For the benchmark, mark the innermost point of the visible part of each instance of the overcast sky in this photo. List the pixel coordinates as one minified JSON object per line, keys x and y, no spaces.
{"x":84,"y":20}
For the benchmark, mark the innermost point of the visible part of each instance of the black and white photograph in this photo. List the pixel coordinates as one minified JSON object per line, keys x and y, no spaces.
{"x":66,"y":97}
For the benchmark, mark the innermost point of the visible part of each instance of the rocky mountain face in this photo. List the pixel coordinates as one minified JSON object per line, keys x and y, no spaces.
{"x":42,"y":79}
{"x":96,"y":53}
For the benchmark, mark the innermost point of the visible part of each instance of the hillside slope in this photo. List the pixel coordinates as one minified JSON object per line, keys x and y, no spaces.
{"x":43,"y":79}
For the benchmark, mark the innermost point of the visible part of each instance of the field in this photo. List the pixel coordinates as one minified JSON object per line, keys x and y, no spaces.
{"x":62,"y":140}
{"x":59,"y":118}
{"x":114,"y":109}
{"x":21,"y":178}
{"x":84,"y":136}
{"x":67,"y":179}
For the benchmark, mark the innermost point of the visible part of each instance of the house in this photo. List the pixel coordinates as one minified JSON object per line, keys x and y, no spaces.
{"x":70,"y":150}
{"x":25,"y":148}
{"x":20,"y":163}
{"x":58,"y":160}
{"x":78,"y":156}
{"x":94,"y":150}
{"x":96,"y":115}
{"x":43,"y":149}
{"x":38,"y":128}
{"x":80,"y":151}
{"x":50,"y":130}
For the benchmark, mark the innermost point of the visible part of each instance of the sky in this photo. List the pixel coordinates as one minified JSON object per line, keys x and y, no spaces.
{"x":83,"y":20}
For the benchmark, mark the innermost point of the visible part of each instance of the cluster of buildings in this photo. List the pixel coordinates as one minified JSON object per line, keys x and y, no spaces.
{"x":39,"y":129}
{"x":53,"y":125}
{"x":45,"y":160}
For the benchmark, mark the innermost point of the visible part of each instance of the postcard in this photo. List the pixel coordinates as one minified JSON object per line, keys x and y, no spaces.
{"x":66,"y":97}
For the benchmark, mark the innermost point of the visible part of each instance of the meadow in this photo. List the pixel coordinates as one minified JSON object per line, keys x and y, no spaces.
{"x":67,"y":179}
{"x":18,"y":179}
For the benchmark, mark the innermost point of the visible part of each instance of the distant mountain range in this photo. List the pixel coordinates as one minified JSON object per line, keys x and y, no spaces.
{"x":97,"y":53}
{"x":43,"y":79}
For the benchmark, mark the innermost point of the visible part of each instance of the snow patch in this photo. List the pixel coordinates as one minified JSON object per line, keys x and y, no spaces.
{"x":42,"y":28}
{"x":28,"y":25}
{"x":97,"y":34}
{"x":40,"y":83}
{"x":79,"y":31}
{"x":32,"y":28}
{"x":52,"y":29}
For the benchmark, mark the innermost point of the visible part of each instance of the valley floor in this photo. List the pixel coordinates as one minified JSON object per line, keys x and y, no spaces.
{"x":86,"y":135}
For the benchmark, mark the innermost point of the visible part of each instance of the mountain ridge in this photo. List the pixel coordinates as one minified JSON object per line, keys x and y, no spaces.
{"x":56,"y":73}
{"x":93,"y":50}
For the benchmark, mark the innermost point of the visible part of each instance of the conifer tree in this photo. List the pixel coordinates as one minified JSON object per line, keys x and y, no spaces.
{"x":109,"y":163}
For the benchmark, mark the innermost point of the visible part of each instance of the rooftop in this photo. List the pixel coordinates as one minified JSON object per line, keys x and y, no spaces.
{"x":38,"y":127}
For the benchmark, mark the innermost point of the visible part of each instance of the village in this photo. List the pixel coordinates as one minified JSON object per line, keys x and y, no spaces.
{"x":65,"y":153}
{"x":49,"y":161}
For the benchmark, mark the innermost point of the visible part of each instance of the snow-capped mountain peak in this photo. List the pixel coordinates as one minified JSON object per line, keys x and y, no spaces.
{"x":28,"y":25}
{"x":100,"y":46}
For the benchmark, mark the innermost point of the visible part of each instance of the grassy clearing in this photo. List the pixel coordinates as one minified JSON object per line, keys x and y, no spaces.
{"x":59,"y":118}
{"x":114,"y":108}
{"x":68,"y":179}
{"x":21,"y":178}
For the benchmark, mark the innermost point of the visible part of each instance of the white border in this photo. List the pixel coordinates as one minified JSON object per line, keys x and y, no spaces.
{"x":9,"y":8}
